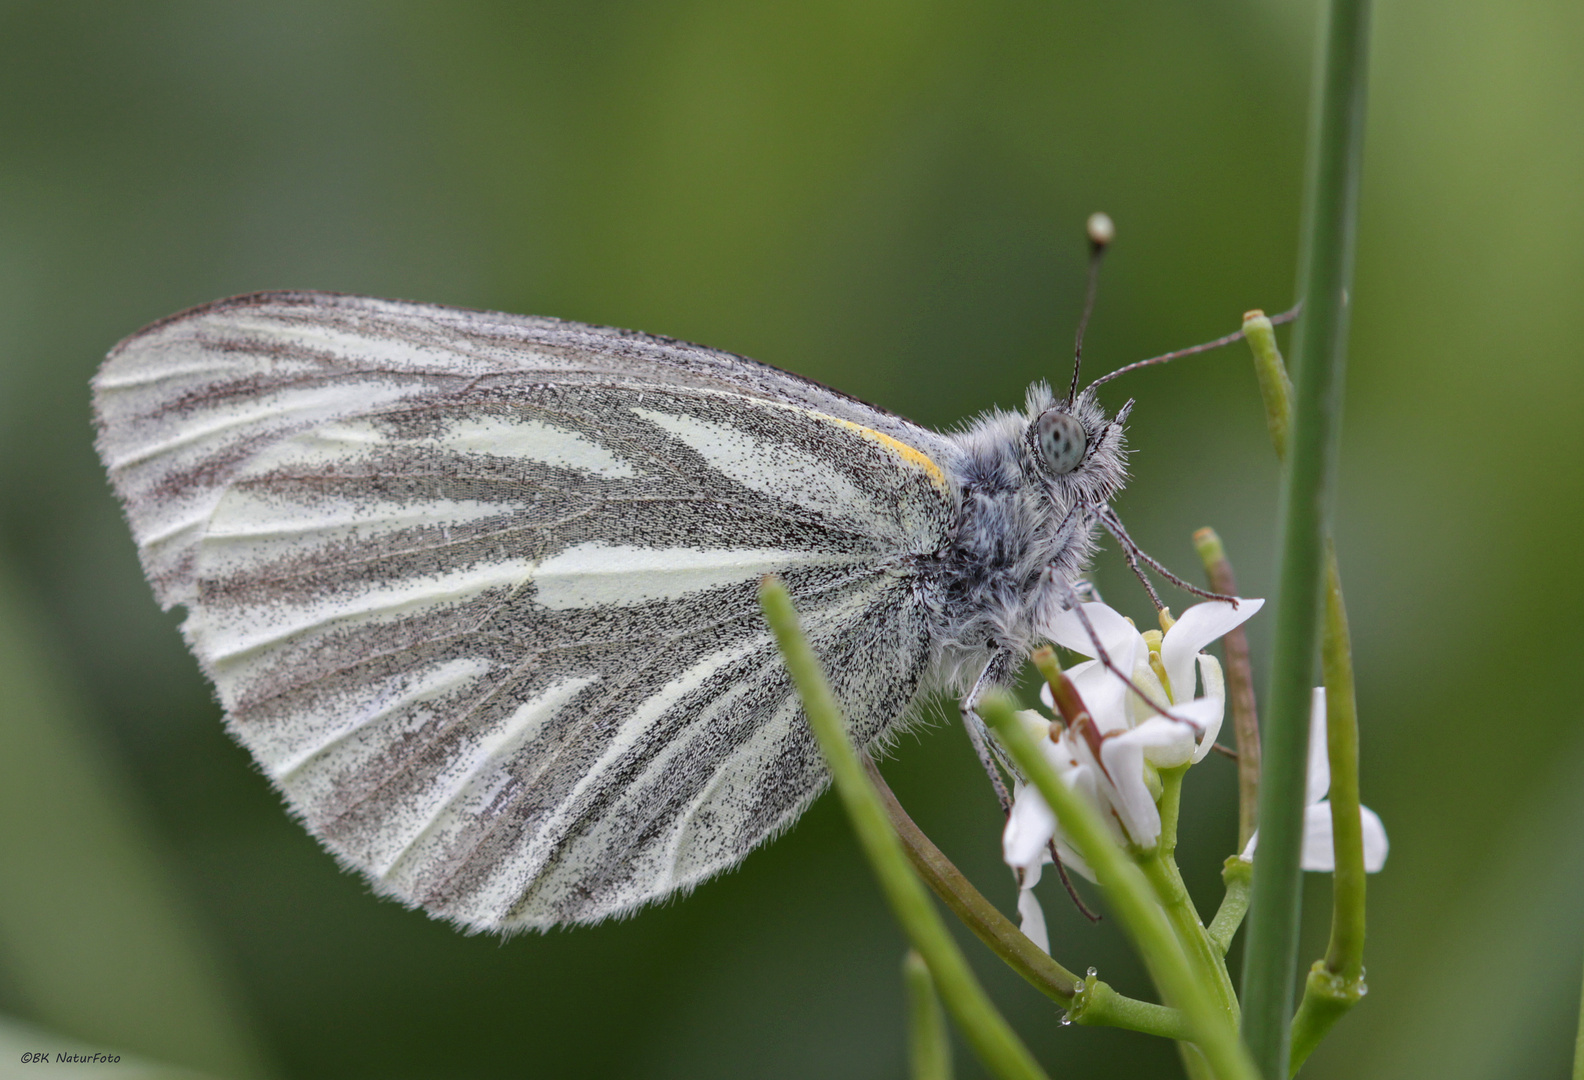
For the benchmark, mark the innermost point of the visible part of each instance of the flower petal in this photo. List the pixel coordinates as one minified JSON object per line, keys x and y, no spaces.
{"x":1319,"y":853}
{"x":1033,"y":917}
{"x":1104,"y":695}
{"x":1375,"y":843}
{"x":1159,"y":741}
{"x":1088,"y":780}
{"x":1028,"y":829}
{"x":1210,"y":714}
{"x":1196,"y":628}
{"x":1200,"y":713}
{"x":1119,"y":636}
{"x":1167,"y":744}
{"x":1203,"y":715}
{"x":1319,"y":849}
{"x":1319,"y":781}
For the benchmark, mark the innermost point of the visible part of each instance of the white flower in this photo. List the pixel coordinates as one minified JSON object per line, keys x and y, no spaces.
{"x":1031,"y":916}
{"x":1031,"y":827}
{"x":1179,"y":652}
{"x":1032,"y":824}
{"x":1167,"y":668}
{"x":1134,"y":740}
{"x":1319,"y":854}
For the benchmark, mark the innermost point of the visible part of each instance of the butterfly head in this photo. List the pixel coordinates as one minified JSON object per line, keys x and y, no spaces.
{"x":1078,"y":452}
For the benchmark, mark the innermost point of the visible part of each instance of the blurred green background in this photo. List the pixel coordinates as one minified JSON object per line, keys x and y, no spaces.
{"x":887,"y":197}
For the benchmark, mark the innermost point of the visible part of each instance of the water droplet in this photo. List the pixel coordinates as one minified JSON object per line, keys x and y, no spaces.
{"x":1093,"y":973}
{"x":1079,"y":987}
{"x":1363,"y":988}
{"x":1066,"y":1021}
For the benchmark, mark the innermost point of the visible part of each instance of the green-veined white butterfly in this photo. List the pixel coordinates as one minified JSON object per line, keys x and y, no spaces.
{"x":478,"y":591}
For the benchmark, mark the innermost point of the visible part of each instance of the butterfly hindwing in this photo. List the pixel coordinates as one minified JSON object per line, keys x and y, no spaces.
{"x":480,"y":596}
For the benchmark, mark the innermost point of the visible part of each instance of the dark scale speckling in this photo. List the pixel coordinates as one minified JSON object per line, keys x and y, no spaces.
{"x":479,"y":591}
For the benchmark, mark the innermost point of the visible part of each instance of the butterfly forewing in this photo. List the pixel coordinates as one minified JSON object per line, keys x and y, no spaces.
{"x":479,"y":592}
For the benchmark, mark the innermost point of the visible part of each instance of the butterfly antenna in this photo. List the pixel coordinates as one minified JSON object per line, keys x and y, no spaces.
{"x":1102,"y":230}
{"x":1192,"y":350}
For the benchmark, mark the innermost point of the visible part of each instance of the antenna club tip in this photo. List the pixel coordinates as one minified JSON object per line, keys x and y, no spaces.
{"x":1101,"y":229}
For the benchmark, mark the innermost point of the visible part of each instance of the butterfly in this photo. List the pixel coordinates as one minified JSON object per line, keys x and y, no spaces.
{"x":479,"y":591}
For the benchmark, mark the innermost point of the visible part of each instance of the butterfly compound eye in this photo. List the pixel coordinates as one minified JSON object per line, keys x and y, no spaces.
{"x":1061,"y":441}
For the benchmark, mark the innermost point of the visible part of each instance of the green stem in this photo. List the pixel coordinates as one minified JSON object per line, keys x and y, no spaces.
{"x":1160,"y":868}
{"x":1319,"y":352}
{"x":1345,"y":954}
{"x":992,"y":1038}
{"x":1336,"y":983}
{"x":1237,"y":875}
{"x":1172,"y":894}
{"x":1130,"y":896}
{"x":1100,"y":1006}
{"x":1240,"y":686}
{"x":929,"y":1048}
{"x":1097,"y":1005}
{"x":1326,"y":998}
{"x":968,"y":903}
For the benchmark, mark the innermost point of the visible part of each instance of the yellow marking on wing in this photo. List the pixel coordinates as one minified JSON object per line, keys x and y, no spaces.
{"x":910,"y":454}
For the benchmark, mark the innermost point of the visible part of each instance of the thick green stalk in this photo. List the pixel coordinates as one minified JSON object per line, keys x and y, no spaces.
{"x":1131,"y":897}
{"x":1319,"y":352}
{"x":991,"y":1037}
{"x":929,"y":1048}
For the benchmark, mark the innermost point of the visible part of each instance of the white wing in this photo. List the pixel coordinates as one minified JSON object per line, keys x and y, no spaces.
{"x":479,"y":591}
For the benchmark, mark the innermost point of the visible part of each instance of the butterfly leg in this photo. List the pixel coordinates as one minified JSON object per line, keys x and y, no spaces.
{"x":995,"y":673}
{"x":1135,"y":554}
